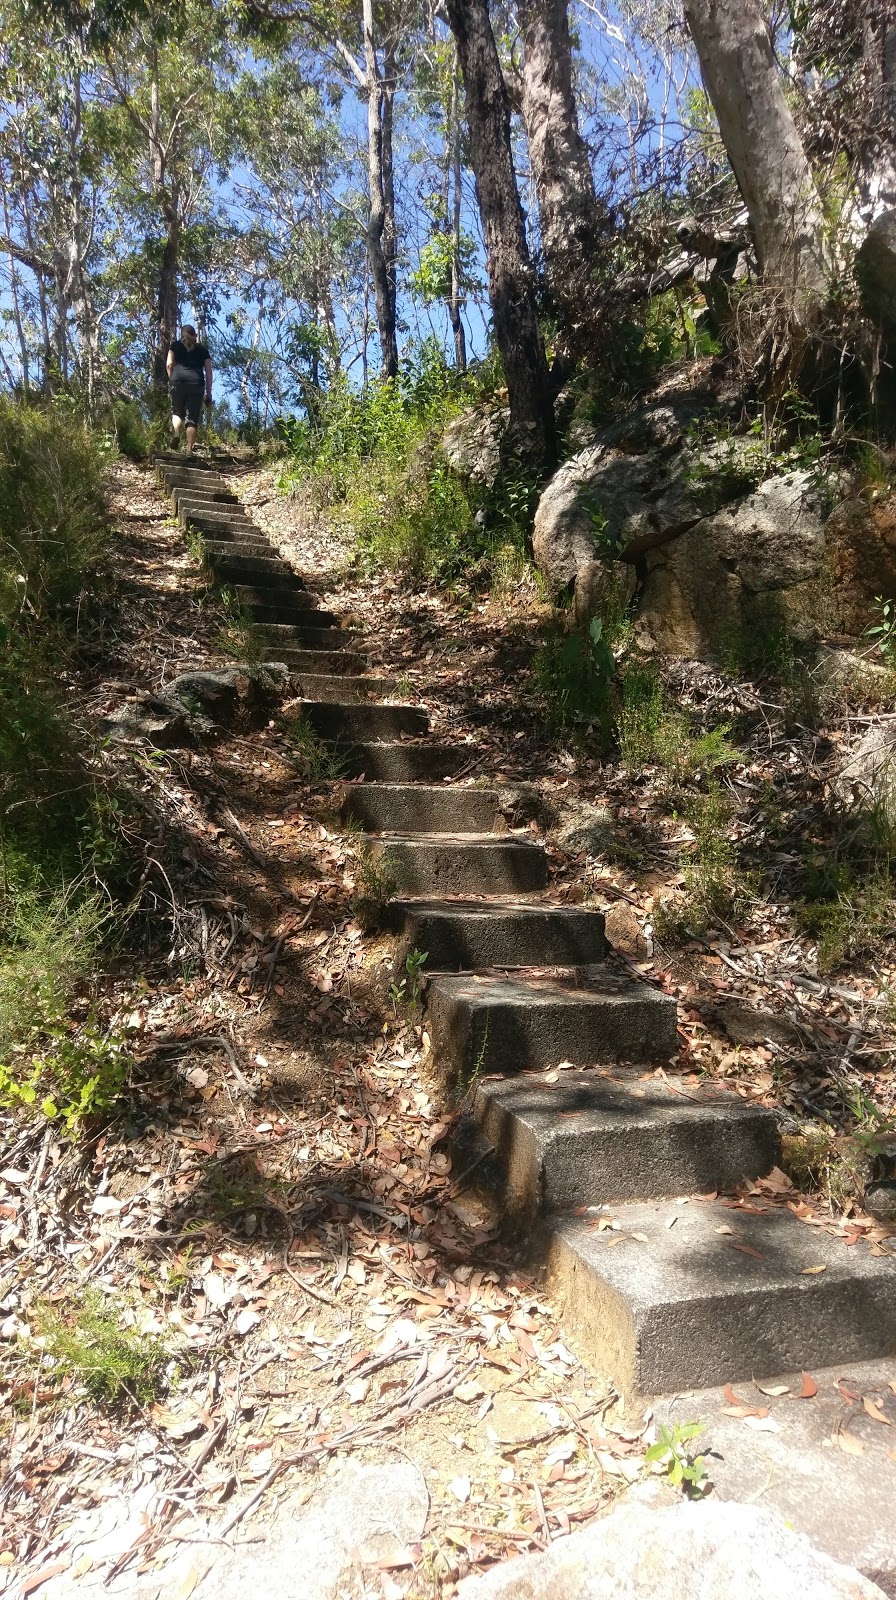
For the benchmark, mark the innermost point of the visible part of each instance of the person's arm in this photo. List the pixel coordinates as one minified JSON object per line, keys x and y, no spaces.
{"x":169,"y":364}
{"x":208,"y":380}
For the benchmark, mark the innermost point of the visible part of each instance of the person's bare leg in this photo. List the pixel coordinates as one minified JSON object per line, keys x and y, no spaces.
{"x":177,"y":424}
{"x":191,"y":436}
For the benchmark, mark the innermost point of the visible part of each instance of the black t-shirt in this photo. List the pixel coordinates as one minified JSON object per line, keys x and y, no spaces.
{"x":189,"y":365}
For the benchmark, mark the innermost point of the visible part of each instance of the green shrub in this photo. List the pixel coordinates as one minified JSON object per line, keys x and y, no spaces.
{"x":574,"y":672}
{"x":116,"y":1366}
{"x":59,"y":821}
{"x":714,"y":886}
{"x":650,"y":735}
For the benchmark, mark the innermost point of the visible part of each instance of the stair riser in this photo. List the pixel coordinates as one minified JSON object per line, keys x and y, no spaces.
{"x":643,"y":1159}
{"x":215,"y":502}
{"x":452,"y":868}
{"x":351,"y":723}
{"x":300,"y":662}
{"x":223,"y":549}
{"x":405,"y":763}
{"x":344,"y":690}
{"x":738,"y":1330}
{"x":470,"y":1040}
{"x":395,"y":809}
{"x":224,"y":528}
{"x":294,"y":605}
{"x":307,"y":639}
{"x":236,"y":569}
{"x":459,"y":943}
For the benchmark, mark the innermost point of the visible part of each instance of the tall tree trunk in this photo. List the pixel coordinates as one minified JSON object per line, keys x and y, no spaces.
{"x":561,"y":168}
{"x":454,"y":316}
{"x":166,"y":292}
{"x":167,"y":200}
{"x":878,"y":178}
{"x":510,"y":278}
{"x":770,"y":164}
{"x":378,"y":175}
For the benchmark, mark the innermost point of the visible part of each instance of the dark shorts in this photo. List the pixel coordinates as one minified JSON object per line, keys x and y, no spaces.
{"x":186,"y":402}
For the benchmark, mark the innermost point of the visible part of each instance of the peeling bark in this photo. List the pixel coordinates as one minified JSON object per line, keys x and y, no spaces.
{"x":510,"y":277}
{"x":769,"y":162}
{"x":561,"y":168}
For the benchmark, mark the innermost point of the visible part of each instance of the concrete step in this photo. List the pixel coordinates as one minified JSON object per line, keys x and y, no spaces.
{"x":671,"y":1299}
{"x":420,"y":808}
{"x":332,"y":720}
{"x":297,"y":601}
{"x":334,"y":663}
{"x":405,"y":763}
{"x":328,"y":640}
{"x":465,"y":934}
{"x":589,"y":1138}
{"x":188,"y":477}
{"x":237,"y":546}
{"x":204,"y":499}
{"x":346,"y":690}
{"x":529,"y":1022}
{"x":211,"y":521}
{"x":213,"y":501}
{"x":442,"y":863}
{"x":260,"y":569}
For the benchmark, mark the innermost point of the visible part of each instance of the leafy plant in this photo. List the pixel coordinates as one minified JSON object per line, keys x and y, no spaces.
{"x":885,"y":630}
{"x":72,"y":1078}
{"x":116,"y":1366}
{"x":316,"y":760}
{"x":713,"y":884}
{"x":574,"y":671}
{"x":377,"y":878}
{"x":684,"y":1470}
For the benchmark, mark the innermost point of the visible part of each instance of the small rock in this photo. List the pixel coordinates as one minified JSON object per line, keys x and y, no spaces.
{"x":880,"y":1201}
{"x":624,"y":931}
{"x":707,"y":1550}
{"x":215,"y":694}
{"x":162,"y":725}
{"x":585,"y":830}
{"x":746,"y":1025}
{"x":523,"y":802}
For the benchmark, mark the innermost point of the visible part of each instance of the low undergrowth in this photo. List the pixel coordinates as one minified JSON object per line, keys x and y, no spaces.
{"x":61,"y":855}
{"x":91,"y":1345}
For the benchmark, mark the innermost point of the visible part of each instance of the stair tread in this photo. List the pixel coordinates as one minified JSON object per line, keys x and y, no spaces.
{"x":697,"y":1258}
{"x":573,"y":986}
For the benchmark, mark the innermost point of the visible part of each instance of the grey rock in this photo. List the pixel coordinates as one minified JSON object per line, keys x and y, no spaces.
{"x":876,"y":270}
{"x":636,"y":486}
{"x":584,"y":830}
{"x":880,"y":1201}
{"x":521,"y":803}
{"x":471,"y":444}
{"x":867,"y":777}
{"x":709,"y":1550}
{"x":364,"y":1515}
{"x":750,"y":564}
{"x":155,"y":721}
{"x":747,"y":1025}
{"x":220,"y":695}
{"x":600,"y":585}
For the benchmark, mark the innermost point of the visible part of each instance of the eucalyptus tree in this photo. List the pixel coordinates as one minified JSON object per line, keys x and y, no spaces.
{"x":55,"y":165}
{"x":767,"y":153}
{"x":510,"y":276}
{"x":168,"y":79}
{"x":561,"y":164}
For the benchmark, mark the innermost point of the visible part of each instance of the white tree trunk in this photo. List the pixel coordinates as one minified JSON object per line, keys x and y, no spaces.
{"x":765,"y":151}
{"x":561,"y":168}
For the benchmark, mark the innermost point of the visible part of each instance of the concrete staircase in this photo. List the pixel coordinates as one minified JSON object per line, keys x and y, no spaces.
{"x":612,"y":1170}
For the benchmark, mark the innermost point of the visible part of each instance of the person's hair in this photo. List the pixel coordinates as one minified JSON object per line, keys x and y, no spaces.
{"x":187,"y":327}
